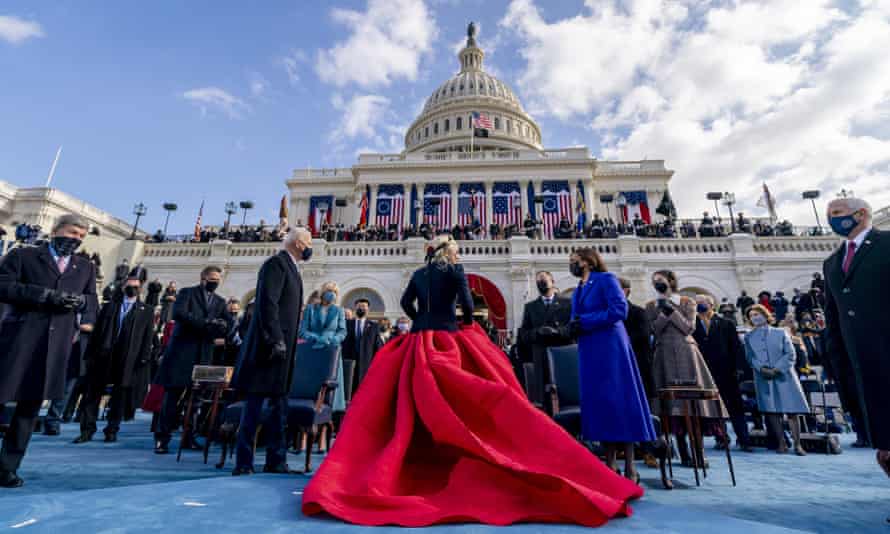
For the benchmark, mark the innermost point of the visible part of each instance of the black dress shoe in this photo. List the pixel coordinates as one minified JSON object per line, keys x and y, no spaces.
{"x":10,"y":480}
{"x":110,"y":437}
{"x":238,"y":471}
{"x":83,"y":437}
{"x":162,"y":447}
{"x":280,"y":469}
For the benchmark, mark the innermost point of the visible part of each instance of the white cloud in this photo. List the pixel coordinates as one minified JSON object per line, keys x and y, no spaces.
{"x":729,"y":94}
{"x":291,"y":64}
{"x":385,"y":43}
{"x":16,"y":30}
{"x":258,"y":85}
{"x":361,"y":115}
{"x":214,"y":98}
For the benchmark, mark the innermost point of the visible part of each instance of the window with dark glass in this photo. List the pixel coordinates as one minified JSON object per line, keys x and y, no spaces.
{"x":460,"y":123}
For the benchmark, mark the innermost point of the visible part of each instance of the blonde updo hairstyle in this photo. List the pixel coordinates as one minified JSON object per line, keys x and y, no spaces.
{"x":442,"y":247}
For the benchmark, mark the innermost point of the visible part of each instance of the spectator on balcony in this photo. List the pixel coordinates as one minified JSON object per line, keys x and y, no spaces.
{"x":817,"y":282}
{"x":743,"y":224}
{"x":706,"y":227}
{"x":763,"y":298}
{"x":494,"y":231}
{"x":530,"y":226}
{"x":723,"y":352}
{"x":771,"y":355}
{"x":565,"y":230}
{"x":596,"y":227}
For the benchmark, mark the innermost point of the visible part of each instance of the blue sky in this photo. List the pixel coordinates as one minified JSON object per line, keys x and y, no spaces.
{"x":217,"y":101}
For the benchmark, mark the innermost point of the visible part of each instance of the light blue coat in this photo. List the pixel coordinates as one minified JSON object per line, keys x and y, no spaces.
{"x":771,"y":347}
{"x":326,"y":331}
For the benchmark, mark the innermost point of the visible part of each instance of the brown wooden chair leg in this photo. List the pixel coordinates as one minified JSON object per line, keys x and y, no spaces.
{"x":211,"y":423}
{"x":668,"y":435}
{"x":323,"y":439}
{"x":729,"y":457}
{"x":187,"y":423}
{"x":310,"y":440}
{"x":699,"y":443}
{"x":693,"y":446}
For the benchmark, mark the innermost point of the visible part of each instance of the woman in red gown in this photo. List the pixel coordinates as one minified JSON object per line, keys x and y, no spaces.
{"x":441,"y":432}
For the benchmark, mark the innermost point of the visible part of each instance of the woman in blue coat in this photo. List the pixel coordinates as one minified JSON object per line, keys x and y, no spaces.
{"x":614,"y":409}
{"x":324,"y":325}
{"x":771,"y":355}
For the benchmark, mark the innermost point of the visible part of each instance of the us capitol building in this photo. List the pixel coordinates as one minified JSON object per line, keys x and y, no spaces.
{"x":496,"y":178}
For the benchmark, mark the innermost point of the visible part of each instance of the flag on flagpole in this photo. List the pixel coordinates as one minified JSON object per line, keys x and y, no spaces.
{"x":365,"y":206}
{"x":635,"y":203}
{"x":320,"y":208}
{"x":767,"y":201}
{"x":471,"y":204}
{"x":433,"y":213}
{"x":481,"y":124}
{"x":581,"y":207}
{"x":198,"y":222}
{"x":557,"y":204}
{"x":390,"y":206}
{"x":506,"y":204}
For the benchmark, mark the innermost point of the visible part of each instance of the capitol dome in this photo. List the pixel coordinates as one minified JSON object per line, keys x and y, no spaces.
{"x":445,"y":123}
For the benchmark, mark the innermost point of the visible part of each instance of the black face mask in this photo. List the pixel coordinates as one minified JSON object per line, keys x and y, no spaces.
{"x":307,"y":253}
{"x":360,"y":313}
{"x":131,"y":291}
{"x":65,"y":246}
{"x":211,"y":286}
{"x":543,"y":286}
{"x":576,"y":269}
{"x":661,"y":287}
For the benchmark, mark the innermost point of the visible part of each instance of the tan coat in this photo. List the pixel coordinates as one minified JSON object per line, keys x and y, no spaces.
{"x":678,"y":360}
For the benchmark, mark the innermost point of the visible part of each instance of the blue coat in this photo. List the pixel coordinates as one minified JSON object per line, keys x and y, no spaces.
{"x":771,"y":347}
{"x":613,"y":402}
{"x":323,"y":332}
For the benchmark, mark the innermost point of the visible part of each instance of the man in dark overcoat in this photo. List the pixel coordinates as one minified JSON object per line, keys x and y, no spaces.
{"x":719,"y":343}
{"x":119,"y":351}
{"x":545,"y":323}
{"x":44,"y":287}
{"x":201,"y":324}
{"x":857,"y":293}
{"x":362,"y":341}
{"x":266,"y":362}
{"x":638,"y":330}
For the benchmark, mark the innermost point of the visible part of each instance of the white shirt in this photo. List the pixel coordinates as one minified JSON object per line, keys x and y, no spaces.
{"x":858,"y":240}
{"x":293,"y":259}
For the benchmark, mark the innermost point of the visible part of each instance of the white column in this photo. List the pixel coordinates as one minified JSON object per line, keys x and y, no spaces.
{"x":590,"y":201}
{"x":488,"y":205}
{"x":523,"y":200}
{"x":406,"y":216}
{"x":372,"y":205}
{"x":454,"y":199}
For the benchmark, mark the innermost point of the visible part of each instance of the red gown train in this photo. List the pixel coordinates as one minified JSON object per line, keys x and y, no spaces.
{"x":440,"y":431}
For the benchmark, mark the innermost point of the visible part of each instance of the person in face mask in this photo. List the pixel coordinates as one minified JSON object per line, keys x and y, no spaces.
{"x":202,"y":321}
{"x":363,"y":340}
{"x":44,"y":288}
{"x":118,"y":353}
{"x":265,"y":365}
{"x":678,"y":361}
{"x":771,"y":355}
{"x":403,"y":326}
{"x":856,"y":288}
{"x":545,"y":322}
{"x":324,"y":325}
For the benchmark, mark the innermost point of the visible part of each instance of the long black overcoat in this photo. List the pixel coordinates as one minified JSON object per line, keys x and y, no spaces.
{"x":192,"y":340}
{"x":276,"y":317}
{"x":118,"y":352}
{"x":857,"y":316}
{"x":35,"y":338}
{"x":725,"y":356}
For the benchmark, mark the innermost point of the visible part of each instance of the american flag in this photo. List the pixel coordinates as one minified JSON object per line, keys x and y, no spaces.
{"x":390,"y":205}
{"x":439,"y":215}
{"x":471,"y":204}
{"x":481,"y":120}
{"x":557,"y":204}
{"x":315,"y":214}
{"x":506,"y":205}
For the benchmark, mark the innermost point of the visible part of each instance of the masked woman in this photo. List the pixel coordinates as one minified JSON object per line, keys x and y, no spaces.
{"x":441,"y":431}
{"x":324,"y":325}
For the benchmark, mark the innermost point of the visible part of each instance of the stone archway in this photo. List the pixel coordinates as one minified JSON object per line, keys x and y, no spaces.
{"x":692,"y":291}
{"x":377,"y":304}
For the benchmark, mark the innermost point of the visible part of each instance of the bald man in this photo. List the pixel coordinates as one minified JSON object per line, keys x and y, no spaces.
{"x":266,"y":362}
{"x":857,"y":310}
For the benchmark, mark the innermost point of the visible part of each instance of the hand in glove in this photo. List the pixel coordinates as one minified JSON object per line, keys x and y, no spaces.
{"x":767,"y":373}
{"x":547,"y":331}
{"x":64,"y":301}
{"x":279,"y":351}
{"x":665,"y":307}
{"x":216,"y":326}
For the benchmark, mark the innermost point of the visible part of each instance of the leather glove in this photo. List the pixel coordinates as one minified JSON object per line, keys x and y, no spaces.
{"x":279,"y":351}
{"x":767,"y":373}
{"x":547,"y":331}
{"x":216,"y":326}
{"x":64,"y":301}
{"x":665,"y":308}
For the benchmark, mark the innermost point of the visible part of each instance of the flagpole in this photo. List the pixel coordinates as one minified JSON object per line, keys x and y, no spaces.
{"x":52,"y":170}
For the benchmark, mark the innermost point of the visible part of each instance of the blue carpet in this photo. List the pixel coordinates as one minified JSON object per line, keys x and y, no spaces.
{"x":124,"y":487}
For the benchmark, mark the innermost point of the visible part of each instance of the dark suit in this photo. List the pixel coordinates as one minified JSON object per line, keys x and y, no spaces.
{"x":361,"y":348}
{"x":638,"y":330}
{"x":190,"y":344}
{"x":724,"y":354}
{"x":36,"y":338}
{"x":857,"y":315}
{"x":537,"y":314}
{"x":435,"y":288}
{"x":276,"y":318}
{"x":118,"y":353}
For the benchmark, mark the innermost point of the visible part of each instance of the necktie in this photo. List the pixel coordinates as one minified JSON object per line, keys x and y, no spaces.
{"x":848,"y":260}
{"x":125,"y":308}
{"x":61,"y":263}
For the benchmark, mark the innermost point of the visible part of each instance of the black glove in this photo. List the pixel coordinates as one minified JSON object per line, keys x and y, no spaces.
{"x":279,"y":352}
{"x":216,"y":326}
{"x":547,"y":331}
{"x":665,"y":307}
{"x":64,"y":301}
{"x":574,"y":328}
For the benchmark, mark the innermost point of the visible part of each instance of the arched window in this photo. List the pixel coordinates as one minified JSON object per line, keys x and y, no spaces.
{"x":497,"y":123}
{"x":447,"y":125}
{"x":460,"y":123}
{"x":435,"y":128}
{"x":426,"y":131}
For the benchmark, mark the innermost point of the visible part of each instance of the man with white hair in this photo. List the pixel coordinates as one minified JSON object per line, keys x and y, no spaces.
{"x":857,"y":293}
{"x":45,"y":287}
{"x":266,"y":362}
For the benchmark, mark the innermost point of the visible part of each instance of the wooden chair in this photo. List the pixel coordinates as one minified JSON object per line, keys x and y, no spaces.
{"x":565,"y":388}
{"x":690,"y":398}
{"x":206,"y":380}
